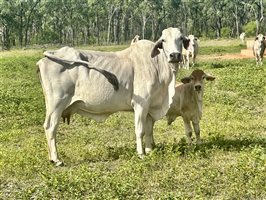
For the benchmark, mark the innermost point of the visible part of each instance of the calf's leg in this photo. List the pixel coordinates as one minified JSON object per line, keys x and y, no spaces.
{"x":188,"y":129}
{"x":196,"y":128}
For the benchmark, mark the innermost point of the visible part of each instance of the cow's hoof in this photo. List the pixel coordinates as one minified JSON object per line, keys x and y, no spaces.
{"x":198,"y":142}
{"x":57,"y":163}
{"x":141,"y":156}
{"x":148,"y":150}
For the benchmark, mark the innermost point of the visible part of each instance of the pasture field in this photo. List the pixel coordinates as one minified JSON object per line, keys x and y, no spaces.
{"x":100,"y":158}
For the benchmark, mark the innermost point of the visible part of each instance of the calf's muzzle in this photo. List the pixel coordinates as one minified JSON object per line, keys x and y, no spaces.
{"x":197,"y":87}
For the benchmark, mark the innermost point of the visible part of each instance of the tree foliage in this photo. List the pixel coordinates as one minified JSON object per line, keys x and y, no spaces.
{"x":83,"y":22}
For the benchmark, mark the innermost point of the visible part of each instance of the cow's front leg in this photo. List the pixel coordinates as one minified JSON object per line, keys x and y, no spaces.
{"x":193,"y":60}
{"x":148,"y":137}
{"x":188,"y":130}
{"x":140,"y":120}
{"x":196,"y":128}
{"x":187,"y":63}
{"x":257,"y":60}
{"x":261,"y":60}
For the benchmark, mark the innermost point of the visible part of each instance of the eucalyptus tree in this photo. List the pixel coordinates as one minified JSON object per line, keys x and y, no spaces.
{"x":257,"y":8}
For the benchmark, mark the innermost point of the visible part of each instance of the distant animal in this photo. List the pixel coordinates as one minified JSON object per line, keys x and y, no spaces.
{"x":140,"y":78}
{"x":187,"y":102}
{"x":259,"y":48}
{"x":191,"y":51}
{"x":135,"y":39}
{"x":242,"y":37}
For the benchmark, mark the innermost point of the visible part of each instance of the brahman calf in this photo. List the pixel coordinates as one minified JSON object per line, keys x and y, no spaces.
{"x":259,"y":48}
{"x":187,"y":102}
{"x":192,"y":51}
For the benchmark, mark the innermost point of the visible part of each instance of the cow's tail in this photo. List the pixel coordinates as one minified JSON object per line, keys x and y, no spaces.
{"x":108,"y":75}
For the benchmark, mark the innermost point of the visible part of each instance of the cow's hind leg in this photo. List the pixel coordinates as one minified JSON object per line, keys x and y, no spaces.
{"x":50,"y":128}
{"x":53,"y":115}
{"x":148,"y":137}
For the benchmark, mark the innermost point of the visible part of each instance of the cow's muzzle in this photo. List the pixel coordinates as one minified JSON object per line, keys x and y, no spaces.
{"x":175,"y":57}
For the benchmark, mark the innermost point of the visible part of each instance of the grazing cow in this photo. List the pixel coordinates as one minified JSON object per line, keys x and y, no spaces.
{"x":187,"y":102}
{"x":242,"y":37}
{"x":140,"y":78}
{"x":192,"y":51}
{"x":259,"y":48}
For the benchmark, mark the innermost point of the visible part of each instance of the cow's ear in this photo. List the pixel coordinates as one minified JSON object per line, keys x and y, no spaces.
{"x":185,"y":42}
{"x":158,"y":45}
{"x":209,"y":77}
{"x":185,"y":80}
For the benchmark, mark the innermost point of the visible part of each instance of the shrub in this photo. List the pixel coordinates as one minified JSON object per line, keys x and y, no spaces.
{"x":250,"y":28}
{"x":225,"y":32}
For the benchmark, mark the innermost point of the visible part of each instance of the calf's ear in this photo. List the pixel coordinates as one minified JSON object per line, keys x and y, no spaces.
{"x":185,"y":80}
{"x":158,"y":45}
{"x":209,"y":77}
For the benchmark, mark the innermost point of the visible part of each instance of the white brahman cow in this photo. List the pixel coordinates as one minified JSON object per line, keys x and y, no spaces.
{"x":259,"y":48}
{"x":242,"y":37}
{"x":95,"y":84}
{"x":191,"y":51}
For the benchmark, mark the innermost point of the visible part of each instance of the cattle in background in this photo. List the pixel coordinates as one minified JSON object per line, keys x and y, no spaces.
{"x":187,"y":102}
{"x":242,"y":37}
{"x":135,"y":39}
{"x":259,"y":48}
{"x":191,"y":51}
{"x":140,"y":78}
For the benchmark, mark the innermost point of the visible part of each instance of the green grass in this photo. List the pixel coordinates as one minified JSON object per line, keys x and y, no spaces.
{"x":100,"y":158}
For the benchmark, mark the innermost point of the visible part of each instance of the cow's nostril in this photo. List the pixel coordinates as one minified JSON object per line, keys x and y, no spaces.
{"x":197,"y":87}
{"x":172,"y":55}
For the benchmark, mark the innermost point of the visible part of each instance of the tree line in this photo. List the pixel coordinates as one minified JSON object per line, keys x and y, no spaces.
{"x":87,"y":22}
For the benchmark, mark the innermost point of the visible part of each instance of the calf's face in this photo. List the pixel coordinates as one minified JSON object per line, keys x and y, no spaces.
{"x":171,"y":43}
{"x":196,"y":78}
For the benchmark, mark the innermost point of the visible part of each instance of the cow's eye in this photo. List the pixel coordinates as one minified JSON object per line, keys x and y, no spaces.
{"x":163,"y":40}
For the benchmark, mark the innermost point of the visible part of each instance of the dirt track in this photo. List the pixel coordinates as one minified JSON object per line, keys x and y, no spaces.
{"x":224,"y":57}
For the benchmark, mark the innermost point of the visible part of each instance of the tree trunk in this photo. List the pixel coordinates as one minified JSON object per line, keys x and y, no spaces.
{"x":236,"y":18}
{"x":21,"y":26}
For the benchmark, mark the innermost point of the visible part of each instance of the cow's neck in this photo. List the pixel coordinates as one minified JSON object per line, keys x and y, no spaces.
{"x":197,"y":98}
